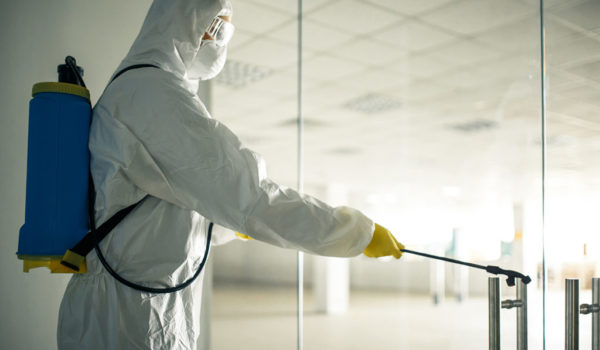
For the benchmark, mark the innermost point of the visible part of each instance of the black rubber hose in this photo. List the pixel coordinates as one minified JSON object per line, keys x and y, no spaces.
{"x":72,"y":63}
{"x":150,"y":289}
{"x":92,"y":221}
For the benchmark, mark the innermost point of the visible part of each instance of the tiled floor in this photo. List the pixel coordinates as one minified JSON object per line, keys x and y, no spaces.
{"x":263,"y":317}
{"x":247,"y":317}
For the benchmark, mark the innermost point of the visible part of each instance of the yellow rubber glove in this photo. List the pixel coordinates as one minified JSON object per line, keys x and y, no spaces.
{"x":383,"y":243}
{"x":243,"y":236}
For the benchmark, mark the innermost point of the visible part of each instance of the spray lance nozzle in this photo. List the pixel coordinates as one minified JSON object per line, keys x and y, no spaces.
{"x":511,"y":275}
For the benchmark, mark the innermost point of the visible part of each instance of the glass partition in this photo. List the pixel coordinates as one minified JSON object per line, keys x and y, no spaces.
{"x":573,"y":153}
{"x":426,"y":115}
{"x":254,"y":291}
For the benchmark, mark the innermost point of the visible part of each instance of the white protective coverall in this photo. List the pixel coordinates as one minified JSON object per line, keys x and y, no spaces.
{"x":152,"y":135}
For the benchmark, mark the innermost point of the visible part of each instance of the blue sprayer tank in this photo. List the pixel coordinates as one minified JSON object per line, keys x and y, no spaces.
{"x":56,"y":203}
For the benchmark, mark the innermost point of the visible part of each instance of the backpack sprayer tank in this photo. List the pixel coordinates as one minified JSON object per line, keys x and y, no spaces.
{"x":56,"y":202}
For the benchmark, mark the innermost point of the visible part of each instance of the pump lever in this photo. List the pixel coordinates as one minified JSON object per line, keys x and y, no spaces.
{"x":511,"y":274}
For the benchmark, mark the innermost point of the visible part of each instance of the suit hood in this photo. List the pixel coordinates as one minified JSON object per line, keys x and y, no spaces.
{"x":172,"y":33}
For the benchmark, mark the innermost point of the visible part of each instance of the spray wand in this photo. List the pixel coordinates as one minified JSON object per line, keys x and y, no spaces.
{"x":511,"y":275}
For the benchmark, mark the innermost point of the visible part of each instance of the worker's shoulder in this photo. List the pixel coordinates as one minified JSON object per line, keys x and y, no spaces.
{"x":165,"y":81}
{"x":147,"y":79}
{"x":150,"y":87}
{"x":154,"y":99}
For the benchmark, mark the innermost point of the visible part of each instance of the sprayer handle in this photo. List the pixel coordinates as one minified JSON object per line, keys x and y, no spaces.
{"x":510,"y":273}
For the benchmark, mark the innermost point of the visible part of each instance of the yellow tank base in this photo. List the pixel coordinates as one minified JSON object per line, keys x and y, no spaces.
{"x":50,"y":262}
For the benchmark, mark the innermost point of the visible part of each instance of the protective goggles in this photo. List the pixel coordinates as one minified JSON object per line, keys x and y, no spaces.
{"x":220,"y":31}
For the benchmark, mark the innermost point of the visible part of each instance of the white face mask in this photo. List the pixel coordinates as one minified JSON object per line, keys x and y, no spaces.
{"x":209,"y":61}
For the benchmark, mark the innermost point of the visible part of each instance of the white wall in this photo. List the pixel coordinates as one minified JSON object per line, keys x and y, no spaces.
{"x":35,"y":37}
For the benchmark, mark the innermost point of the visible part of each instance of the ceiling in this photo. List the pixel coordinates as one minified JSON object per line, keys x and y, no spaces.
{"x":412,"y":98}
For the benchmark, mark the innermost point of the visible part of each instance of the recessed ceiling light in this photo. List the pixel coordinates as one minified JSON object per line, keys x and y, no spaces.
{"x":373,"y":103}
{"x":474,"y":125}
{"x":308,"y":122}
{"x":344,"y":151}
{"x":238,"y":74}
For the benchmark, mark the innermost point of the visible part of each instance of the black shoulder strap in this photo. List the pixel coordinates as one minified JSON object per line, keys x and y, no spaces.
{"x":135,"y":66}
{"x":75,"y":256}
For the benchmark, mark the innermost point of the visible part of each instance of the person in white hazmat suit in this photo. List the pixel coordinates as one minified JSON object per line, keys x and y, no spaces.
{"x":151,"y":135}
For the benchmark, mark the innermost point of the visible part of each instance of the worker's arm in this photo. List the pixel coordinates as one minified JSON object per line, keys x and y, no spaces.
{"x":188,"y":159}
{"x":382,"y":244}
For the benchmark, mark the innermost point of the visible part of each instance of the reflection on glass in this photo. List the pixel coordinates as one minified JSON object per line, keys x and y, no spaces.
{"x":573,"y":181}
{"x":426,"y":116}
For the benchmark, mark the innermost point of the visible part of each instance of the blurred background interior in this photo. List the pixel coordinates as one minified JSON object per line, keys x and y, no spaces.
{"x":426,"y":115}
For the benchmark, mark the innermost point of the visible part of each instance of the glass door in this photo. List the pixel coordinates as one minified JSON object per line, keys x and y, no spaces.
{"x":573,"y":154}
{"x":429,"y":118}
{"x":425,"y":115}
